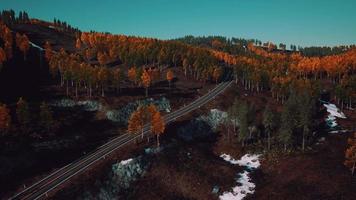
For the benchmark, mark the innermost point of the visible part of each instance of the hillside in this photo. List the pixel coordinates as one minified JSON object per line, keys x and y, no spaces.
{"x":65,"y":93}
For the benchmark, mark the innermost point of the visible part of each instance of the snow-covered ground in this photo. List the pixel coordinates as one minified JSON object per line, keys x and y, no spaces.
{"x":245,"y":185}
{"x":334,"y":113}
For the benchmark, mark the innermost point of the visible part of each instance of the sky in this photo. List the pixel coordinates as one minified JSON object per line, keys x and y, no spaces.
{"x":300,"y":22}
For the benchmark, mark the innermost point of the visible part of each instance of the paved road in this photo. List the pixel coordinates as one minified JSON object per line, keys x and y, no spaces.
{"x":41,"y":188}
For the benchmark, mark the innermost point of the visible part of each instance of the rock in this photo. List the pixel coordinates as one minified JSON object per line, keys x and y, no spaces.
{"x":127,"y":171}
{"x":215,"y":190}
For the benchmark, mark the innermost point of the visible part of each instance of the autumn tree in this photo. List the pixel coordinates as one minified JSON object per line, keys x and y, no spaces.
{"x":157,"y":125}
{"x":23,"y":43}
{"x":217,"y":74}
{"x":350,"y":154}
{"x":132,"y":74}
{"x":48,"y":51}
{"x":146,"y":80}
{"x":23,"y":114}
{"x":46,"y":117}
{"x":136,"y":121}
{"x":78,"y":44}
{"x":170,"y":77}
{"x":2,"y":57}
{"x":5,"y":119}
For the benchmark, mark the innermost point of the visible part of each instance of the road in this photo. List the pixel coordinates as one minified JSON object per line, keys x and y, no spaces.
{"x":44,"y":186}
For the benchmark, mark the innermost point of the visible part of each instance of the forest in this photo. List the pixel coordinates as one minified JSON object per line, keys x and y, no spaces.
{"x":291,"y":82}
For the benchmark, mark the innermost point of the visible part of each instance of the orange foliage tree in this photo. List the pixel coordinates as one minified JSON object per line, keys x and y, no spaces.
{"x":23,"y":43}
{"x":48,"y":51}
{"x":170,"y":77}
{"x":2,"y":57}
{"x":350,"y":154}
{"x":146,"y":80}
{"x":132,"y":74}
{"x":78,"y":44}
{"x":5,"y":119}
{"x":157,"y":125}
{"x":217,"y":74}
{"x":137,"y":120}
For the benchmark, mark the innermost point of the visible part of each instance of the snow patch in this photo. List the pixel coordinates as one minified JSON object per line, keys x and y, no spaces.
{"x":36,"y":46}
{"x":245,"y":185}
{"x":340,"y":131}
{"x":334,"y":113}
{"x":125,"y":162}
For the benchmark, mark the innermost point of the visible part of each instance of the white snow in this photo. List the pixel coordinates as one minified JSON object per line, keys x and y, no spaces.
{"x":245,"y":186}
{"x":125,"y":162}
{"x":36,"y":46}
{"x":334,"y":113}
{"x":240,"y":192}
{"x":340,"y":131}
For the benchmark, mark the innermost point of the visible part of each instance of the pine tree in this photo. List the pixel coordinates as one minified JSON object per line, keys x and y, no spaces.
{"x":46,"y":117}
{"x":270,"y":123}
{"x":5,"y":119}
{"x":287,"y":126}
{"x":306,"y":108}
{"x":242,"y":118}
{"x":350,"y":154}
{"x":23,"y":114}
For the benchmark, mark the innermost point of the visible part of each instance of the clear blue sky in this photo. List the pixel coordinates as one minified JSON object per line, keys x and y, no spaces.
{"x":301,"y":22}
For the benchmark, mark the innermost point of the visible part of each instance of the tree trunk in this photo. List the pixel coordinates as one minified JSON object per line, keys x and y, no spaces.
{"x":269,"y":140}
{"x":76,"y":89}
{"x":158,"y":144}
{"x":303,"y":143}
{"x":146,"y":92}
{"x":67,"y":89}
{"x":102,"y":91}
{"x":353,"y":168}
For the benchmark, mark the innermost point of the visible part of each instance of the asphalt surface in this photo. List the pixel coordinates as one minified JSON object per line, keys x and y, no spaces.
{"x":40,"y":189}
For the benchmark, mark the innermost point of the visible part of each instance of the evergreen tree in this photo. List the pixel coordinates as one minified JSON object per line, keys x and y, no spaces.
{"x":46,"y":117}
{"x":242,"y":118}
{"x":306,"y":108}
{"x":23,"y":114}
{"x":270,"y":123}
{"x":286,"y":130}
{"x":5,"y":119}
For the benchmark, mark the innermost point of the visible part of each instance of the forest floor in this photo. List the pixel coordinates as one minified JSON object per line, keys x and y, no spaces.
{"x":79,"y":131}
{"x":190,"y":170}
